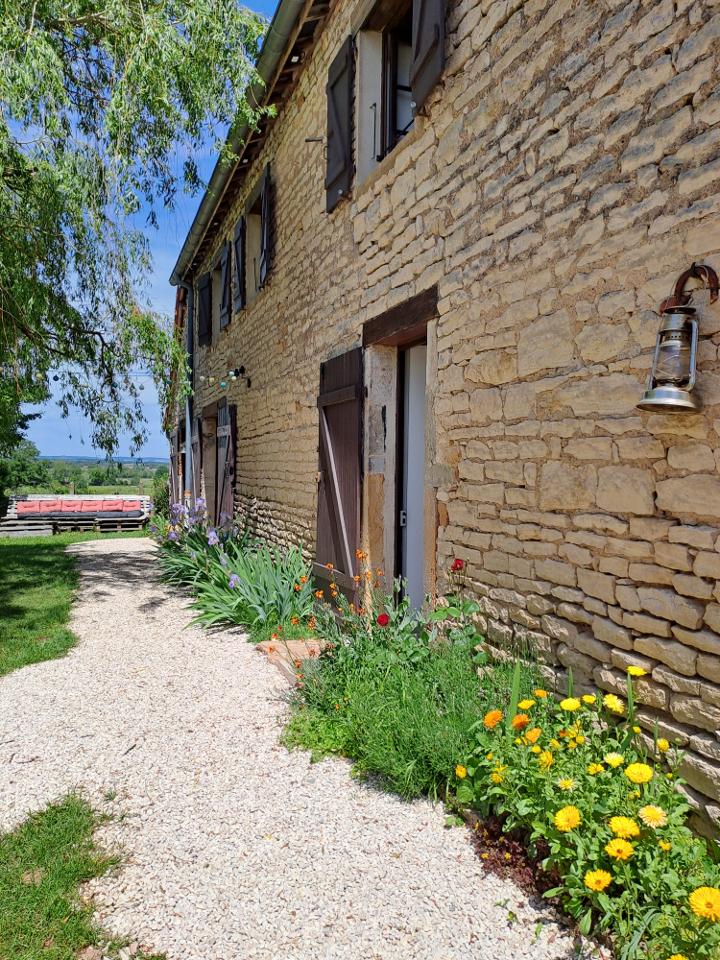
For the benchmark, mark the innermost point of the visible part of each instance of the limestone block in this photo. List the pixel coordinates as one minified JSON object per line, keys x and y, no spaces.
{"x":707,"y":565}
{"x":641,"y":623}
{"x":690,"y":586}
{"x":639,"y":448}
{"x":590,"y":448}
{"x":626,"y":490}
{"x":651,"y":573}
{"x":546,"y":343}
{"x":701,"y":774}
{"x":675,"y":655}
{"x":704,"y":640}
{"x":493,"y":367}
{"x":599,"y":585}
{"x":672,"y":555}
{"x":556,"y":572}
{"x":695,"y":712}
{"x":611,"y":633}
{"x":693,"y":457}
{"x":709,"y":667}
{"x":710,"y":693}
{"x":669,"y":606}
{"x":676,"y":682}
{"x":708,"y":746}
{"x":538,"y":605}
{"x":694,"y":495}
{"x":712,"y":616}
{"x":567,"y":487}
{"x":578,"y":662}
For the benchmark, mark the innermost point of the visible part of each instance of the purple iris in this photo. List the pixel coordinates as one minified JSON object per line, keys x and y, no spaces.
{"x":233,"y":581}
{"x":213,"y":538}
{"x":173,"y":536}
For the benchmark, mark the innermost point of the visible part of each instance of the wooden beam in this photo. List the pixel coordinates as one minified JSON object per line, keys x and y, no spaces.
{"x":404,"y":323}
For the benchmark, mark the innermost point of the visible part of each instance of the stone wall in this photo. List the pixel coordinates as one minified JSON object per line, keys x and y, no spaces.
{"x":567,"y":170}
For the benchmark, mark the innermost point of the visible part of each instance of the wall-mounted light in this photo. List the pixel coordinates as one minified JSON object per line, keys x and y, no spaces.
{"x":674,"y":368}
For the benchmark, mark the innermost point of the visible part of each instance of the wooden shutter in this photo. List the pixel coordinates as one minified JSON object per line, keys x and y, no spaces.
{"x":239,"y":258}
{"x":225,"y":286}
{"x":340,"y":404}
{"x":174,"y":484}
{"x":205,"y":309}
{"x":225,"y":452}
{"x":197,"y":458}
{"x":338,"y":179}
{"x":266,"y":226}
{"x":428,"y":48}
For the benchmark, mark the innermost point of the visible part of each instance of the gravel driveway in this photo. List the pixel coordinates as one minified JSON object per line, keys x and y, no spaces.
{"x":235,"y":848}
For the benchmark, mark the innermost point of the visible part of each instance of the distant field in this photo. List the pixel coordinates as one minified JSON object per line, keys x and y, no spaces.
{"x":125,"y":490}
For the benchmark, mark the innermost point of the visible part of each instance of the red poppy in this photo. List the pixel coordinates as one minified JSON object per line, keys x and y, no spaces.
{"x":457,"y":565}
{"x":383,"y":620}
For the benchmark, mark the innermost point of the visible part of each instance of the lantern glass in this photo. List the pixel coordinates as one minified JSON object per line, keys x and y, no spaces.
{"x":672,"y":364}
{"x":672,"y":377}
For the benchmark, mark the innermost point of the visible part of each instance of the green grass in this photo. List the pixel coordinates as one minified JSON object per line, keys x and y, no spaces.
{"x":37,"y":584}
{"x":42,"y":864}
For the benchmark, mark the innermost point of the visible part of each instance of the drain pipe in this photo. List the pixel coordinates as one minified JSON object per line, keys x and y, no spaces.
{"x":189,"y":345}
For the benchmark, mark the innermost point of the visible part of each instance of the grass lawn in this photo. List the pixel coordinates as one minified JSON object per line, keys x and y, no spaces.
{"x":37,"y":583}
{"x":42,"y":864}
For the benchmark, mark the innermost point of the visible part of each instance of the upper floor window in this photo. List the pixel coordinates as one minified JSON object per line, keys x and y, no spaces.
{"x":398,"y":56}
{"x":253,"y":243}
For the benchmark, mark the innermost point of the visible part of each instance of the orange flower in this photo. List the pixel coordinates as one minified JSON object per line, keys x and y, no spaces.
{"x":492,"y":719}
{"x":303,"y":579}
{"x":319,"y":594}
{"x":520,"y":721}
{"x":312,"y":623}
{"x":532,"y":736}
{"x":329,"y":566}
{"x":297,"y":588}
{"x":356,"y":578}
{"x":294,"y":621}
{"x":361,"y":555}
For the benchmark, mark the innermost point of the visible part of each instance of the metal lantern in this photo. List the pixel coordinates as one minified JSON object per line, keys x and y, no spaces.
{"x":674,"y":367}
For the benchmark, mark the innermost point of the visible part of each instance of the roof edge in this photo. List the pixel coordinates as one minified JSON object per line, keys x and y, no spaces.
{"x":274,"y":44}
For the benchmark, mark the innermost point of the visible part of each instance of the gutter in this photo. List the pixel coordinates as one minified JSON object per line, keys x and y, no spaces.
{"x":274,"y":45}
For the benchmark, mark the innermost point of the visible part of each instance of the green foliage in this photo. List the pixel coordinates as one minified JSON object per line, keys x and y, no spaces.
{"x":161,"y":494}
{"x":36,"y":589}
{"x":606,"y":815}
{"x":22,"y":467}
{"x":100,"y":98}
{"x":260,"y":586}
{"x":42,"y":865}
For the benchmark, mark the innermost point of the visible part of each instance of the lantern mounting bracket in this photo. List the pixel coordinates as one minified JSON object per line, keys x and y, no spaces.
{"x":697,"y":271}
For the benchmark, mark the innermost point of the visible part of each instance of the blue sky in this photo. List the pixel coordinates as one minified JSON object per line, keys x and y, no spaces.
{"x":55,"y":436}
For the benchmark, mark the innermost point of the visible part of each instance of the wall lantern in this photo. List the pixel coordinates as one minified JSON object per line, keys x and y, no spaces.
{"x":674,"y":367}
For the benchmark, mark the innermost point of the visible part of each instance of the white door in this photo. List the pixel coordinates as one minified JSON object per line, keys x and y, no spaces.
{"x":412,"y":521}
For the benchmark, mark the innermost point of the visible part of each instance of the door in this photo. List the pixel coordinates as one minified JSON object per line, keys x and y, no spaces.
{"x":412,"y":461}
{"x":340,"y":401}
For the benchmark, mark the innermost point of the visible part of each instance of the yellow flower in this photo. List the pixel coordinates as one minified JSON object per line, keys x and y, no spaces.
{"x":663,"y":745}
{"x":705,"y":903}
{"x":665,"y":845}
{"x":546,"y":760}
{"x":597,"y":880}
{"x":567,"y":819}
{"x":619,"y":849}
{"x":460,"y":771}
{"x":492,"y":719}
{"x":555,"y":744}
{"x":653,"y":816}
{"x":636,"y":671}
{"x":624,"y":827}
{"x":614,"y":703}
{"x":639,"y":773}
{"x":497,"y":775}
{"x":594,"y":768}
{"x":570,"y":704}
{"x":636,"y":729}
{"x":590,"y":699}
{"x":536,"y":749}
{"x":614,"y":759}
{"x":566,"y":783}
{"x":540,"y":694}
{"x":678,"y":956}
{"x":526,"y":704}
{"x":580,"y":739}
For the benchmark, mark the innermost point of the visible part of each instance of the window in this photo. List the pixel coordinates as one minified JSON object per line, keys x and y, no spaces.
{"x":398,"y":55}
{"x":204,"y":309}
{"x":252,"y":245}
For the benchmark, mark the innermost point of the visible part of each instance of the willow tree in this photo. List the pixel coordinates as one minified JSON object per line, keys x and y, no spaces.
{"x":103,"y":106}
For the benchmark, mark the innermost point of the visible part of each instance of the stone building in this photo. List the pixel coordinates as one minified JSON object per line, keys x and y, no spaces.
{"x":422,"y":306}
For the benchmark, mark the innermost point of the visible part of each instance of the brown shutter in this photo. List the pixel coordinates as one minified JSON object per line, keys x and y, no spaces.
{"x":174,"y":486}
{"x":428,"y":48}
{"x":225,"y":286}
{"x":338,"y":179}
{"x":197,"y":458}
{"x":239,"y":258}
{"x":205,"y":309}
{"x":340,"y":405}
{"x":225,"y":452}
{"x":266,"y":226}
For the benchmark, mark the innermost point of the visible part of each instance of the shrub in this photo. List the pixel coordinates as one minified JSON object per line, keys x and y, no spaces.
{"x":398,"y":690}
{"x":161,"y":496}
{"x":607,"y":815}
{"x":256,"y":587}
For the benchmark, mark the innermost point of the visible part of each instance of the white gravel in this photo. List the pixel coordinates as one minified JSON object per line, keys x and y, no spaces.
{"x":235,"y":848}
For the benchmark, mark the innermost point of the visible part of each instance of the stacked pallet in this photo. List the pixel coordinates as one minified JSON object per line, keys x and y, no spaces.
{"x":38,"y":515}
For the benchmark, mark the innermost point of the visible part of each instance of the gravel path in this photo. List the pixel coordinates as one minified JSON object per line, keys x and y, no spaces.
{"x":235,"y":848}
